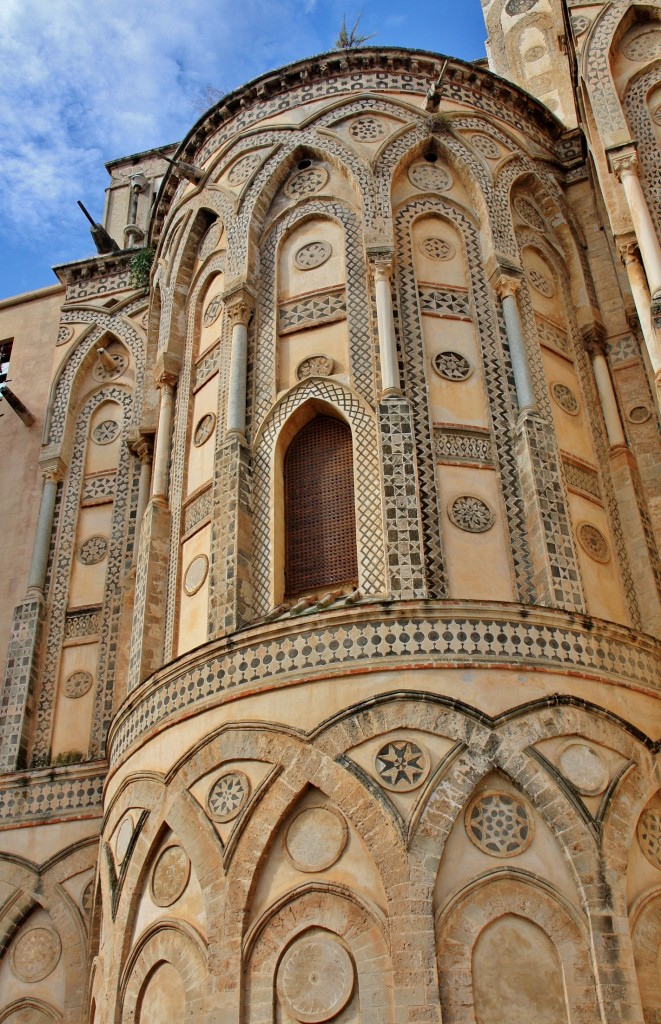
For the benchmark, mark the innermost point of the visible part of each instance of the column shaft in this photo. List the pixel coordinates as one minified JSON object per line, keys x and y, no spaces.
{"x":386,"y":326}
{"x":648,"y":243}
{"x":607,"y":400}
{"x":236,"y":406}
{"x":525,"y":393}
{"x":163,"y":441}
{"x":39,"y":564}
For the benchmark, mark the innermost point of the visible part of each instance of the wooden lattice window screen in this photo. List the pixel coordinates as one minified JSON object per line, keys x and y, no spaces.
{"x":320,"y":519}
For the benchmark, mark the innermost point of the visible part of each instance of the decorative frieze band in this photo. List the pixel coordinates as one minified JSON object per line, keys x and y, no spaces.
{"x":65,"y":793}
{"x":456,"y":444}
{"x":98,"y":490}
{"x":583,"y":478}
{"x":198,"y":510}
{"x":445,"y":303}
{"x":82,"y":622}
{"x":364,"y":641}
{"x":323,"y":307}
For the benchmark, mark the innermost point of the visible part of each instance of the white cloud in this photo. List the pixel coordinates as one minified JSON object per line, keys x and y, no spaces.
{"x":81,"y":83}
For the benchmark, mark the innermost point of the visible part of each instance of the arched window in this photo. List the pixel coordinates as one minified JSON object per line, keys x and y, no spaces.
{"x":320,"y":519}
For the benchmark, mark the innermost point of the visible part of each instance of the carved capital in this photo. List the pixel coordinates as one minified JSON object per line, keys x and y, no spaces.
{"x":594,"y":339}
{"x":624,"y":162}
{"x":167,"y":381}
{"x":380,"y":259}
{"x":504,"y":276}
{"x":52,"y":468}
{"x":141,"y":446}
{"x":627,"y":247}
{"x":506,"y":286}
{"x":239,"y":305}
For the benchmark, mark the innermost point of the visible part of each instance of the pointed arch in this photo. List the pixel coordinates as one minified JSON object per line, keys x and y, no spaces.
{"x":369,"y":528}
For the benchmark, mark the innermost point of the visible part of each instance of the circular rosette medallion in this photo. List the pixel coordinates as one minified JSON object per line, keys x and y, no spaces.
{"x":402,"y":765}
{"x":315,"y":980}
{"x":499,"y":824}
{"x":316,"y":838}
{"x":36,"y":954}
{"x":584,"y":768}
{"x":649,"y":836}
{"x":228,"y":795}
{"x":170,"y":876}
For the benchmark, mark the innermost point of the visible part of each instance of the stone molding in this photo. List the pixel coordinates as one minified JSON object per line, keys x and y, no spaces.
{"x":433,"y":635}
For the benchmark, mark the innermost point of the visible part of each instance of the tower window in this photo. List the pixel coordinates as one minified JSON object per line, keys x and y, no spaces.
{"x":5,"y":356}
{"x":320,"y":519}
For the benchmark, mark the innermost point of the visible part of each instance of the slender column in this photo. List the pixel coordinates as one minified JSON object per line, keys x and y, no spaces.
{"x":166,"y":384}
{"x":239,"y":306}
{"x":628,"y":250}
{"x":142,"y":448}
{"x":381,"y":265}
{"x":595,"y":345}
{"x":507,"y":287}
{"x":625,"y":167}
{"x":37,"y":578}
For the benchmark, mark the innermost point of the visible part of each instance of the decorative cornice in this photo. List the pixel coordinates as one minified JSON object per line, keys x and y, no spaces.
{"x":448,"y":635}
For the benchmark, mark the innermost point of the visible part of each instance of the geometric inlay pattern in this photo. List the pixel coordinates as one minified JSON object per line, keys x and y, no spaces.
{"x":314,"y":366}
{"x":366,"y":129}
{"x":311,"y":255}
{"x":444,"y":303}
{"x":316,"y":839}
{"x":582,"y":478}
{"x":540,"y":282}
{"x":552,"y":335}
{"x":315,"y":980}
{"x":204,"y":429}
{"x":316,"y":309}
{"x":243,"y":168}
{"x":228,"y":795}
{"x":105,"y":432}
{"x":402,"y":765}
{"x":528,"y":212}
{"x":649,"y":836}
{"x":36,"y":954}
{"x":306,"y":182}
{"x":212,"y":311}
{"x":435,"y":248}
{"x":78,"y":684}
{"x":429,"y":178}
{"x":377,"y":640}
{"x":519,"y":6}
{"x":463,"y":447}
{"x":170,"y":876}
{"x":470,"y":514}
{"x":98,"y":489}
{"x":566,"y":399}
{"x":485,"y":145}
{"x":210,"y":240}
{"x":93,"y":550}
{"x":102,"y":373}
{"x":452,"y":365}
{"x":644,"y":46}
{"x":498,"y":824}
{"x":593,"y":541}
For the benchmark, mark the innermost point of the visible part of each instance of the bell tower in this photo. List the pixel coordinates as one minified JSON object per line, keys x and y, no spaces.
{"x":528,"y":43}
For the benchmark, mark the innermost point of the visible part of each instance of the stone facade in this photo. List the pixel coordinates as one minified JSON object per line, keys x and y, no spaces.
{"x":428,"y":790}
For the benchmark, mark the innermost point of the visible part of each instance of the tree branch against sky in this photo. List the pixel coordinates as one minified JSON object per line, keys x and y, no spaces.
{"x":80,"y":86}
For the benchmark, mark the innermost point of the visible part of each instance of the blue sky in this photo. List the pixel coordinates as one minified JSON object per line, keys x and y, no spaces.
{"x":86,"y":81}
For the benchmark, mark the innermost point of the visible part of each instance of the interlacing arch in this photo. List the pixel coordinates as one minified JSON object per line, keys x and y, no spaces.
{"x":172,"y":942}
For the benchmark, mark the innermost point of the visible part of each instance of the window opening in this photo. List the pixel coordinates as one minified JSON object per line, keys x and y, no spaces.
{"x":5,"y":356}
{"x":320,"y":518}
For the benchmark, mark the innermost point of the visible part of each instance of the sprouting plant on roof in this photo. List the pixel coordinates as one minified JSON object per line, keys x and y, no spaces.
{"x":350,"y":39}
